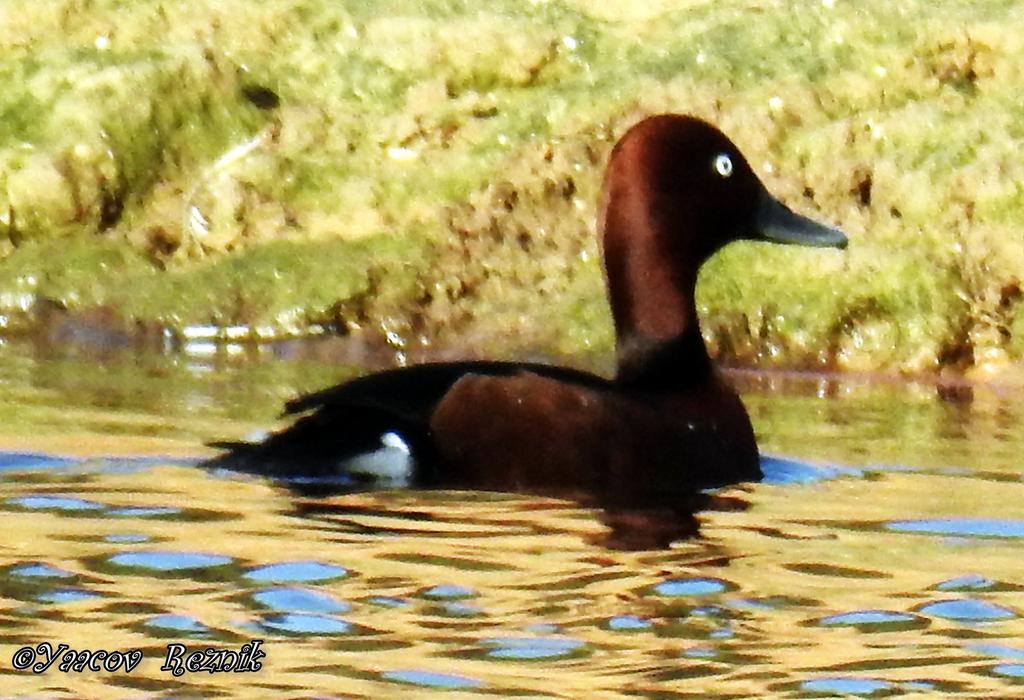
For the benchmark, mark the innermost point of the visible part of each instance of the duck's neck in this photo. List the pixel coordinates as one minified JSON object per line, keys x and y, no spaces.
{"x":654,"y":364}
{"x":651,"y":292}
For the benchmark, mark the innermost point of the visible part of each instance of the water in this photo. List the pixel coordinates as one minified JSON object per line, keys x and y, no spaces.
{"x":880,"y":558}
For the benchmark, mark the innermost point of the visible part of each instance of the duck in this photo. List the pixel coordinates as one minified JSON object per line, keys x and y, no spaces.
{"x":676,"y":190}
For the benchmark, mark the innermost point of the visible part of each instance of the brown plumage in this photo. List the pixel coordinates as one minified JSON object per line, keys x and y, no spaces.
{"x":676,"y":190}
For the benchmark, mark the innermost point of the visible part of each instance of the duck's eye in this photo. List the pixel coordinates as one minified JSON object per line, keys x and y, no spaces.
{"x":723,"y":164}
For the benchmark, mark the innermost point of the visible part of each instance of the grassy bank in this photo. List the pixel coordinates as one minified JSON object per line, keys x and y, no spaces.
{"x":430,"y":169}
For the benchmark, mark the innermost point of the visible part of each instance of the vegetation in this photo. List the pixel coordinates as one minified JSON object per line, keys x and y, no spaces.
{"x":430,"y":168}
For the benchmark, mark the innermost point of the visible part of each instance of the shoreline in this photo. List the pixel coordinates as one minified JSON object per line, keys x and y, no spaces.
{"x":432,"y":172}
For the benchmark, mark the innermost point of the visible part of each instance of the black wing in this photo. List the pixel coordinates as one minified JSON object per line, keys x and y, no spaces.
{"x":349,"y":419}
{"x":413,"y":392}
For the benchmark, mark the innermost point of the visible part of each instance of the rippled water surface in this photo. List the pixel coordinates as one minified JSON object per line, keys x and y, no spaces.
{"x":883,"y":555}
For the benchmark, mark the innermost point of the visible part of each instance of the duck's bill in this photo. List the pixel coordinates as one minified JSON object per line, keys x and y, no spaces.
{"x":778,"y":223}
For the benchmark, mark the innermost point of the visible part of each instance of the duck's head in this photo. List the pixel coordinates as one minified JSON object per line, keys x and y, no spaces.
{"x":676,"y":191}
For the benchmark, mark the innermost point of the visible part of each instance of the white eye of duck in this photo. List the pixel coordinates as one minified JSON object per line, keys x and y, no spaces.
{"x":723,"y":164}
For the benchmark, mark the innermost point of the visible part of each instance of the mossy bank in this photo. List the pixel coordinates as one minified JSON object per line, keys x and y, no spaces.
{"x":429,"y":170}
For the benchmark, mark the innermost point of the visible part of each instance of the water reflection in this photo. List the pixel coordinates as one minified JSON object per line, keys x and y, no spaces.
{"x":881,"y":556}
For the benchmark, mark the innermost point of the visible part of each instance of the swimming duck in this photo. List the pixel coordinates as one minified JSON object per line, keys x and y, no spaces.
{"x":676,"y":190}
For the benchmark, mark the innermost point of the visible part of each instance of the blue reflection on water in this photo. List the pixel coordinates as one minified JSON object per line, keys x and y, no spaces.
{"x":40,"y":571}
{"x":150,"y":512}
{"x":429,"y":679}
{"x":177,"y":623}
{"x":967,"y":610}
{"x":288,"y":599}
{"x":66,"y":595}
{"x":690,"y":586}
{"x":531,"y":648}
{"x":997,"y":650}
{"x":448,"y":591}
{"x":127,"y":538}
{"x":299,"y":623}
{"x":778,"y":470}
{"x":628,"y":623}
{"x":961,"y":527}
{"x":30,"y":461}
{"x":866,"y":617}
{"x":169,"y":561}
{"x":297,"y":571}
{"x":113,"y":464}
{"x":968,"y":582}
{"x":37,"y":461}
{"x":459,"y":609}
{"x":846,"y":686}
{"x":67,"y":503}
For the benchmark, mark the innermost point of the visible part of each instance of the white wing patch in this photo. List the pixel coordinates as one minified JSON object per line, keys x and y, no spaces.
{"x":389,"y":465}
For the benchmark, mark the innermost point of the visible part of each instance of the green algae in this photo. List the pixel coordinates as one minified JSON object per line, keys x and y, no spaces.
{"x":433,"y":166}
{"x":282,"y":287}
